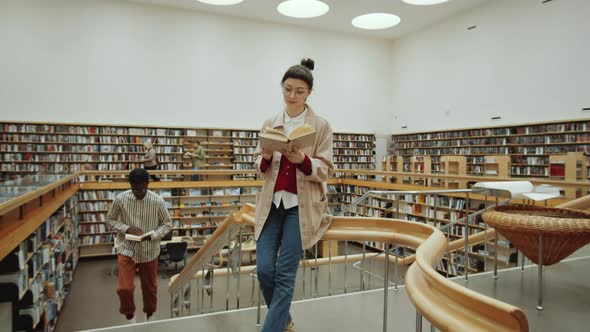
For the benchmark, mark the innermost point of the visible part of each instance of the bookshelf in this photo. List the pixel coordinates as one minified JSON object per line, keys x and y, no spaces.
{"x":453,"y":165}
{"x":354,"y":151}
{"x":218,"y":149}
{"x":95,"y":237}
{"x":568,"y":167}
{"x":195,"y":210}
{"x":420,"y":164}
{"x":527,"y":146}
{"x":498,"y":166}
{"x":244,"y":145}
{"x":30,"y":148}
{"x":391,"y":164}
{"x":38,"y":250}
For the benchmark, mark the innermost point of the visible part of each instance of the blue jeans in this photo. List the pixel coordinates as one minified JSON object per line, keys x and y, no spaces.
{"x":278,"y":251}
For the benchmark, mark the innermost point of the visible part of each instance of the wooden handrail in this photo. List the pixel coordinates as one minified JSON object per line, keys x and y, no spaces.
{"x":213,"y":244}
{"x":447,"y":305}
{"x":458,"y":244}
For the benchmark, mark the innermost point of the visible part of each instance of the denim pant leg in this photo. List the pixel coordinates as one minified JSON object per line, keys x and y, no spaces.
{"x":267,"y":248}
{"x":196,"y":177}
{"x":284,"y":235}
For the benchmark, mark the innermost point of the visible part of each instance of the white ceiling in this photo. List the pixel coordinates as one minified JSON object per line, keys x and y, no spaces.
{"x":341,"y":13}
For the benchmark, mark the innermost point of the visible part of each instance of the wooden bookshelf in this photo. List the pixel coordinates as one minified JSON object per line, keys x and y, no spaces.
{"x":38,"y":253}
{"x":244,"y":145}
{"x":454,"y":165}
{"x":528,"y":146}
{"x":29,"y":148}
{"x":354,"y":151}
{"x":568,"y":167}
{"x":391,"y":164}
{"x":497,"y":166}
{"x":195,"y":210}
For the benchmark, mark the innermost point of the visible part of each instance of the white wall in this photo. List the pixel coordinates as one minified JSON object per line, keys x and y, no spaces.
{"x":123,"y":63}
{"x":525,"y":62}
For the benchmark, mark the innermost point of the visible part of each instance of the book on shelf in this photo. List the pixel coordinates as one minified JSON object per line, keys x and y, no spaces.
{"x":276,"y":140}
{"x":138,"y":238}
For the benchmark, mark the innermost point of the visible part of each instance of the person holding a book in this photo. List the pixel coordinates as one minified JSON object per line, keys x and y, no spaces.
{"x":292,"y":206}
{"x":198,"y":156}
{"x":150,"y":159}
{"x":141,"y":220}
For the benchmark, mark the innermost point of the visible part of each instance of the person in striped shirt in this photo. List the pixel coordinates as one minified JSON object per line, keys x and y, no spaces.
{"x":138,"y":211}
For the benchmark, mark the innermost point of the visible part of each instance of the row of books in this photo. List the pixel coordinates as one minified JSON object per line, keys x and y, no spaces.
{"x":244,"y":134}
{"x":92,"y":228}
{"x":97,"y":239}
{"x":351,"y":165}
{"x":353,"y":144}
{"x":98,"y":194}
{"x":155,"y":132}
{"x":524,"y":130}
{"x":45,"y":128}
{"x":348,"y":137}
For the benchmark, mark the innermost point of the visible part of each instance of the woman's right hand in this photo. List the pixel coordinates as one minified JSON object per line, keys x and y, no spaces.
{"x":266,"y":154}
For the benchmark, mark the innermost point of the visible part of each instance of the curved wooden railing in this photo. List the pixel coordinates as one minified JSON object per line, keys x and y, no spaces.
{"x":447,"y":305}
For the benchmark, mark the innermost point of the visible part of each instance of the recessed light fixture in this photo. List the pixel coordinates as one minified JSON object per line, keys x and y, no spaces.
{"x":221,"y":2}
{"x":303,"y":8}
{"x":375,"y":21}
{"x":424,"y":2}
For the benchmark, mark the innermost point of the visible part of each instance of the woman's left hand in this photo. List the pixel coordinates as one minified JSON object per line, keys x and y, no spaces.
{"x":296,"y":155}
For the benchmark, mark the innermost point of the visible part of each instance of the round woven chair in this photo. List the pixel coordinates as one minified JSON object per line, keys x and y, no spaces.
{"x":563,"y":230}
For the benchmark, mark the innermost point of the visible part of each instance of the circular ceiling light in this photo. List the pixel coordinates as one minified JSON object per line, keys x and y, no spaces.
{"x":303,"y":8}
{"x":221,"y":2}
{"x":376,"y":21}
{"x":424,"y":2}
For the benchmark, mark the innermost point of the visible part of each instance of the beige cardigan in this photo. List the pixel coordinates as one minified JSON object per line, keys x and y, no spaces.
{"x":311,"y":190}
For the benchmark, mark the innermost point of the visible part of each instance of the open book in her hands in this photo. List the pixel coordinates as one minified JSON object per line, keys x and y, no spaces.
{"x":132,"y":237}
{"x":276,"y":140}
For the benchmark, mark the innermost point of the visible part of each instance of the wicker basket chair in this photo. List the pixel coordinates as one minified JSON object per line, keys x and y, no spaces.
{"x":564,"y":230}
{"x":545,"y":235}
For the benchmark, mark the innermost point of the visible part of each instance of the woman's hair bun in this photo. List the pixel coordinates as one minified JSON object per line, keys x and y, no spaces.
{"x":308,"y":63}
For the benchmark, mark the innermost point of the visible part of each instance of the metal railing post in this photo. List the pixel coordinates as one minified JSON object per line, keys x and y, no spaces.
{"x":385,"y":287}
{"x":239,"y":242}
{"x":229,"y":252}
{"x":466,"y":254}
{"x":496,"y":249}
{"x":418,"y":321}
{"x":540,"y":282}
{"x":345,"y":266}
{"x":329,"y":267}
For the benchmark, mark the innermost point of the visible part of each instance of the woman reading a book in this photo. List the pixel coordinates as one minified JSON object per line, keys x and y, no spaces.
{"x":292,"y":207}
